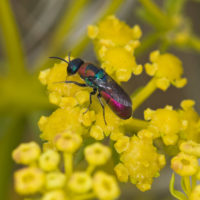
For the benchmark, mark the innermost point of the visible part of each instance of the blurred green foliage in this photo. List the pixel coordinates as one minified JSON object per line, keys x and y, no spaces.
{"x":21,"y":92}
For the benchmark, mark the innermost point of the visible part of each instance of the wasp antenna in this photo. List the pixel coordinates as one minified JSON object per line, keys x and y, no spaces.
{"x":59,"y":59}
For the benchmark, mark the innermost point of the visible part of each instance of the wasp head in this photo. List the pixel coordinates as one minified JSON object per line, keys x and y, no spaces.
{"x":74,"y":65}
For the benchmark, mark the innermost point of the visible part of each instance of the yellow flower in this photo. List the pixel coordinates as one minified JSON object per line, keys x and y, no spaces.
{"x":191,"y":148}
{"x":191,"y":121}
{"x":26,"y":153}
{"x":167,"y":123}
{"x":114,"y":44}
{"x":167,"y":68}
{"x":122,"y":144}
{"x":184,"y":164}
{"x":119,"y":63}
{"x":54,"y":195}
{"x":55,"y":180}
{"x":68,"y":142}
{"x":97,"y":132}
{"x":113,"y":32}
{"x":195,"y":194}
{"x":122,"y":172}
{"x":105,"y":186}
{"x":142,"y":161}
{"x":80,"y":182}
{"x":61,"y":120}
{"x":97,"y":154}
{"x":49,"y":160}
{"x":73,"y":101}
{"x":29,"y":181}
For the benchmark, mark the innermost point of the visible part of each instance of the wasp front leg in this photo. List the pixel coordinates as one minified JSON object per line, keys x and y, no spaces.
{"x":91,"y":94}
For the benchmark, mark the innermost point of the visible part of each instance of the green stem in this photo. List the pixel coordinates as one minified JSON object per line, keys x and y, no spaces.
{"x":147,"y":42}
{"x":12,"y":131}
{"x":68,"y":164}
{"x":174,"y":7}
{"x":83,"y":42}
{"x":194,"y":181}
{"x":186,"y":180}
{"x":143,"y":94}
{"x":90,"y":169}
{"x":85,"y":196}
{"x":155,"y":10}
{"x":65,"y":25}
{"x":134,"y":125}
{"x":11,"y":40}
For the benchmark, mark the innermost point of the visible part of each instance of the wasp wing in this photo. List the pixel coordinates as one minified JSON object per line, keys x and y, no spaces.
{"x":109,"y":86}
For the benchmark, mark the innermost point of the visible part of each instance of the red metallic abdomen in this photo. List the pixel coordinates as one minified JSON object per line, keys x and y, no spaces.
{"x":124,"y":112}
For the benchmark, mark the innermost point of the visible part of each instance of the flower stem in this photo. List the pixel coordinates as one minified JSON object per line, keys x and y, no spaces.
{"x":90,"y":169}
{"x":134,"y":125}
{"x":155,"y":11}
{"x":86,"y":196}
{"x":186,"y":180}
{"x":11,"y":40}
{"x":82,"y":43}
{"x":143,"y":94}
{"x":68,"y":164}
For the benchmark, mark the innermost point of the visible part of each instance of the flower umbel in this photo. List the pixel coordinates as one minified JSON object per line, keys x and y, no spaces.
{"x":73,"y":164}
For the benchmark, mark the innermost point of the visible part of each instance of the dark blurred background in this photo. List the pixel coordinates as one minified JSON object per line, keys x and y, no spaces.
{"x":38,"y":22}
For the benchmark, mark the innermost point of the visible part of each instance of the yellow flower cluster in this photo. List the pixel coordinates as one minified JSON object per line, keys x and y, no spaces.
{"x":115,"y":43}
{"x":172,"y":125}
{"x":67,"y":129}
{"x":43,"y":176}
{"x":166,"y":68}
{"x":140,"y":161}
{"x":73,"y":101}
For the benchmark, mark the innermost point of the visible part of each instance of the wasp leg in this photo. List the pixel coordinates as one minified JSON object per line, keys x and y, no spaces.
{"x":74,"y":82}
{"x":91,"y":94}
{"x":100,"y":101}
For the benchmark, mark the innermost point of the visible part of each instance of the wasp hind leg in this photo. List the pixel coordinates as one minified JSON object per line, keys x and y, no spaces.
{"x":100,"y":101}
{"x":91,"y":94}
{"x":76,"y":83}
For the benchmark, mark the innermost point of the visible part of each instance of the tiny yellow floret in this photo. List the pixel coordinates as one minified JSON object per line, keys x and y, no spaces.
{"x":184,"y":164}
{"x":122,"y":144}
{"x":55,"y":180}
{"x":54,"y":195}
{"x":80,"y":182}
{"x":68,"y":142}
{"x":26,"y":153}
{"x":122,"y":172}
{"x":49,"y":160}
{"x":97,"y":154}
{"x":97,"y":132}
{"x":105,"y":186}
{"x":29,"y":181}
